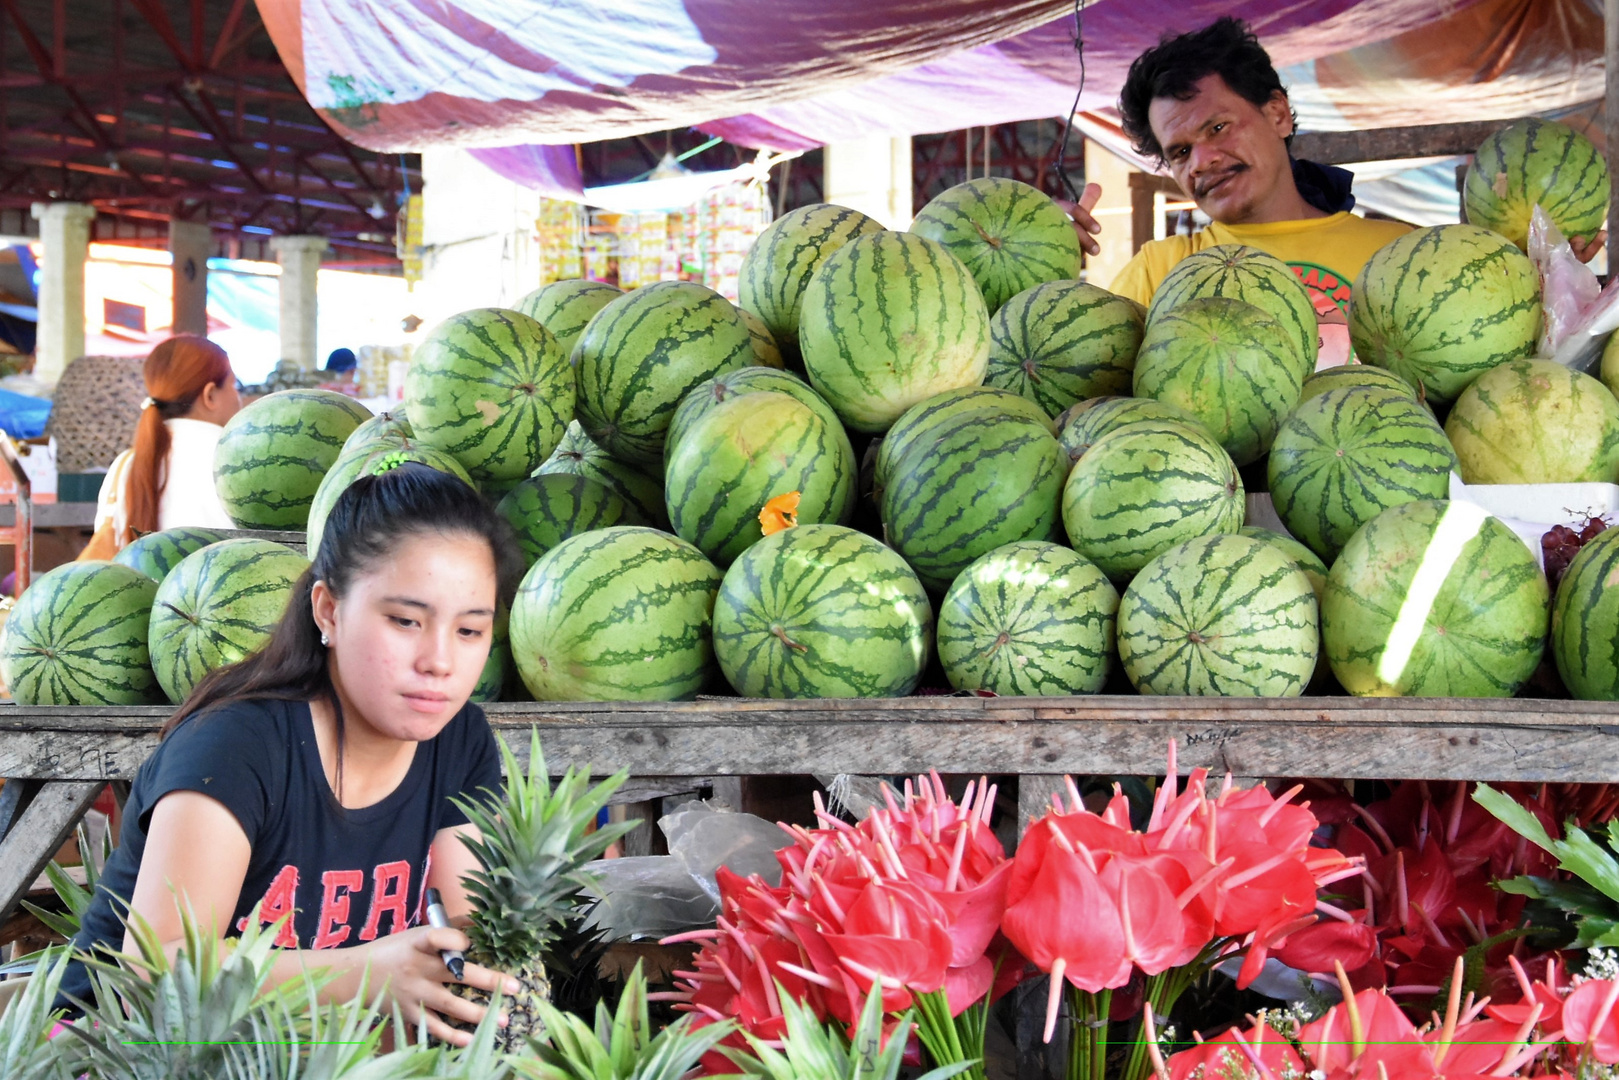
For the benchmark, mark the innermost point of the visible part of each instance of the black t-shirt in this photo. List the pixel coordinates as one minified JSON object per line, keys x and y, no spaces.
{"x":348,"y":876}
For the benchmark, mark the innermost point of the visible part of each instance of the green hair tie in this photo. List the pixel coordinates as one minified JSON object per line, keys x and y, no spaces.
{"x":389,"y":462}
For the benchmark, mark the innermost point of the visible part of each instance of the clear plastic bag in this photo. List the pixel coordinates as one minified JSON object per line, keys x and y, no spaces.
{"x":1568,"y":288}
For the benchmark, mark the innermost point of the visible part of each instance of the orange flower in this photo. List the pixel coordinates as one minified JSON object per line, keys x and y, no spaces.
{"x":779,"y":513}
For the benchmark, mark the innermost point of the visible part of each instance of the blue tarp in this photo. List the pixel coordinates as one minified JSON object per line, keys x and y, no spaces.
{"x":23,"y":417}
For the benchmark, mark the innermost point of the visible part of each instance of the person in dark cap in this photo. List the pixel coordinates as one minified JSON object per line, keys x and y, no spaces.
{"x":341,"y":365}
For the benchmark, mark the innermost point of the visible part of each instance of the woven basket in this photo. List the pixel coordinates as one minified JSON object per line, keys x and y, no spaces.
{"x":94,"y":411}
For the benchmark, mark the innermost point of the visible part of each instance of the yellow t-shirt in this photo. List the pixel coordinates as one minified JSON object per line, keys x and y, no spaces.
{"x":1327,"y":254}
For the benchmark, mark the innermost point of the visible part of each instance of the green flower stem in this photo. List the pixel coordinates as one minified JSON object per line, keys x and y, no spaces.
{"x":1087,"y":1045}
{"x":941,"y":1033}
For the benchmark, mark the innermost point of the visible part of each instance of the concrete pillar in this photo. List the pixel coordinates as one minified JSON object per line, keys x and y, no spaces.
{"x":190,"y":243}
{"x":1112,"y":212}
{"x":64,"y":232}
{"x":872,"y":175}
{"x":299,"y":257}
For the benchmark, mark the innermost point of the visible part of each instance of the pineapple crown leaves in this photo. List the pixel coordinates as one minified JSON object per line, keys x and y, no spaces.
{"x":621,"y":1046}
{"x":75,"y":897}
{"x":532,"y":854}
{"x":811,"y":1050}
{"x":26,"y":1050}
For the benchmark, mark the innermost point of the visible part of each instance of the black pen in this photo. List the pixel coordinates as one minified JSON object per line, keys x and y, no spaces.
{"x":436,"y":917}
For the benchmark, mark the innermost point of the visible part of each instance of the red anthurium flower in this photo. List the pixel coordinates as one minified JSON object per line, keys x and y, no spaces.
{"x":1256,"y":1054}
{"x":1150,"y":920}
{"x":1589,"y":1017}
{"x":894,"y":932}
{"x":1316,"y":948}
{"x":974,"y":915}
{"x":1260,"y":883}
{"x":1067,"y":922}
{"x":1362,"y":1031}
{"x":1479,"y":1047}
{"x":1545,"y":993}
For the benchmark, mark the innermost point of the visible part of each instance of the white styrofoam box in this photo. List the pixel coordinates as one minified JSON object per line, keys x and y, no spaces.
{"x":1530,"y":510}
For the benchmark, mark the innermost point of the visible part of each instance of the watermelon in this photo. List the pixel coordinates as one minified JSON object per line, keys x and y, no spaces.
{"x":766,"y":353}
{"x":1609,"y":369}
{"x":1442,"y":305}
{"x":1080,"y":426}
{"x":980,"y":482}
{"x":390,"y":426}
{"x":217,"y":607}
{"x":1345,"y":456}
{"x":1145,"y":487}
{"x":921,"y":422}
{"x":1253,"y":276}
{"x":492,"y":681}
{"x":578,"y":455}
{"x":643,"y":353}
{"x":778,"y":266}
{"x":1220,"y":616}
{"x":744,"y":453}
{"x":1435,"y":599}
{"x":545,"y":510}
{"x":156,"y":553}
{"x":1535,"y":161}
{"x":1062,"y":342}
{"x":1010,"y":236}
{"x":1585,"y":621}
{"x":565,"y":307}
{"x":1030,"y":618}
{"x":1535,"y":422}
{"x":493,"y":389}
{"x":1334,"y":378}
{"x":272,"y":455}
{"x":748,"y":380}
{"x":889,"y":320}
{"x":822,"y":611}
{"x":361,"y":461}
{"x":1308,"y":561}
{"x":78,"y":637}
{"x":620,"y":614}
{"x":1227,"y":363}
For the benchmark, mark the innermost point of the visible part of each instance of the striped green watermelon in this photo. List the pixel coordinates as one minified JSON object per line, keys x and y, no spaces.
{"x":1435,"y":599}
{"x":889,"y":320}
{"x":1537,"y":161}
{"x":578,"y":455}
{"x":360,"y":461}
{"x":272,"y":455}
{"x":1063,"y":342}
{"x":219,"y":606}
{"x":1248,"y":274}
{"x":1345,"y":456}
{"x":744,"y":453}
{"x":1082,"y":424}
{"x":1585,"y":621}
{"x":766,"y":353}
{"x":78,"y":637}
{"x":822,"y":611}
{"x":643,"y":353}
{"x":922,"y":421}
{"x":778,"y":266}
{"x":1220,"y":616}
{"x":1609,"y":369}
{"x":1030,"y":618}
{"x":748,"y":380}
{"x":1308,"y":561}
{"x":493,"y":389}
{"x":981,"y":481}
{"x":545,"y":510}
{"x":155,"y":554}
{"x":1334,"y":378}
{"x":564,"y":307}
{"x":1442,"y":305}
{"x":1010,"y":236}
{"x":620,"y":614}
{"x":1145,"y":487}
{"x":492,"y":682}
{"x":389,"y":426}
{"x":1535,"y":422}
{"x":1227,"y":363}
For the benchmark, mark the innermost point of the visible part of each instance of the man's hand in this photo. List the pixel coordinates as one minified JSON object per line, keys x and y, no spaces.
{"x":1585,"y":249}
{"x":1085,"y":225}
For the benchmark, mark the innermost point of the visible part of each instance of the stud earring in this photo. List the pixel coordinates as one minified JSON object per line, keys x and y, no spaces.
{"x":324,"y":640}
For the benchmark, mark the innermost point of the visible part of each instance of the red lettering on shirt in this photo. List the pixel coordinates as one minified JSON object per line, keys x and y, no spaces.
{"x":420,"y":915}
{"x":277,"y":903}
{"x":332,"y":928}
{"x":390,"y":892}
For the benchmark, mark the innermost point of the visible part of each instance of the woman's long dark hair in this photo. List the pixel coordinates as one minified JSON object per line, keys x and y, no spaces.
{"x":367,"y":525}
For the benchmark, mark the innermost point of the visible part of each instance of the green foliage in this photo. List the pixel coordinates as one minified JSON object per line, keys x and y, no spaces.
{"x":26,"y":1050}
{"x":1592,"y":902}
{"x":75,"y":897}
{"x":812,"y":1050}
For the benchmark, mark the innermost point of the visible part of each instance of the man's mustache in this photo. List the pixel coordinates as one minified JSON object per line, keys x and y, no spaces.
{"x":1203,"y":186}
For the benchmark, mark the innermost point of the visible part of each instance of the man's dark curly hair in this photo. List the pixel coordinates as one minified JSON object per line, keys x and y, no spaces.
{"x":1226,"y":47}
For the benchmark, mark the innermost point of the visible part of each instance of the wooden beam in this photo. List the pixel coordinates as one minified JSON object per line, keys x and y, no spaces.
{"x":1393,"y":144}
{"x":43,"y":828}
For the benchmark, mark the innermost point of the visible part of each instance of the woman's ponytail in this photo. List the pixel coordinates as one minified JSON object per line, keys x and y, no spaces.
{"x":176,"y":372}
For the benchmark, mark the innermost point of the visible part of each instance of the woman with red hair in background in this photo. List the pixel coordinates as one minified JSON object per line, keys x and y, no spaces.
{"x":167,"y":479}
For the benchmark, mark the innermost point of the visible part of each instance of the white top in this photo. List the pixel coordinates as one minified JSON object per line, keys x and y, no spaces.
{"x":189,"y":497}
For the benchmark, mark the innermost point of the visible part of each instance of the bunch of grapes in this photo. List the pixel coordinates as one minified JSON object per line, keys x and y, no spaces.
{"x":1561,"y":544}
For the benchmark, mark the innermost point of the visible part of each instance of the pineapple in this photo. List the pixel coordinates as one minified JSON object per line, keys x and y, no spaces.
{"x":26,"y":1051}
{"x":812,"y":1050}
{"x":532,"y":858}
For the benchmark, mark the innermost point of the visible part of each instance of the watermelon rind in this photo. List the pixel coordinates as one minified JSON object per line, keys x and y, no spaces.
{"x":822,"y":611}
{"x":492,"y":388}
{"x":1343,"y":375}
{"x":497,"y":668}
{"x":1253,"y":276}
{"x":1009,"y":235}
{"x":78,"y":637}
{"x":360,"y":461}
{"x":645,"y":351}
{"x":766,"y":353}
{"x":218,"y":607}
{"x":1440,"y":306}
{"x":273,"y":453}
{"x":748,"y":380}
{"x":1031,"y":619}
{"x":1345,"y":456}
{"x":922,"y":422}
{"x":1537,"y":162}
{"x":545,"y":510}
{"x":889,"y":320}
{"x":1312,"y":565}
{"x":389,"y":426}
{"x":1082,"y":424}
{"x":1064,"y":342}
{"x":578,"y":455}
{"x":743,"y":453}
{"x":1220,"y":616}
{"x":1145,"y":487}
{"x":1227,"y":363}
{"x":1535,"y":422}
{"x":566,"y":307}
{"x":1585,"y":621}
{"x":156,"y":553}
{"x":1435,"y":599}
{"x":619,"y":614}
